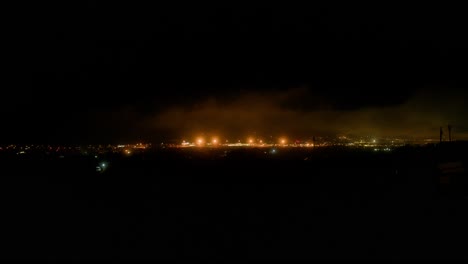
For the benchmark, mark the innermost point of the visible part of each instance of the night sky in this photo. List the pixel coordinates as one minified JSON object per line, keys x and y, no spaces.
{"x":122,"y":72}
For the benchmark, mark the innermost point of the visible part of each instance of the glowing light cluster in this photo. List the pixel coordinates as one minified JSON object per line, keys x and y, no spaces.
{"x":216,"y":141}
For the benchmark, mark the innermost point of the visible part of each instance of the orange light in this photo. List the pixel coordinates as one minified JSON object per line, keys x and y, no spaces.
{"x":200,"y":140}
{"x":250,"y":141}
{"x":215,"y":141}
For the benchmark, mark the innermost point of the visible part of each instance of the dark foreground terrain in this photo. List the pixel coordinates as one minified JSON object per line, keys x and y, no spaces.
{"x":246,"y":204}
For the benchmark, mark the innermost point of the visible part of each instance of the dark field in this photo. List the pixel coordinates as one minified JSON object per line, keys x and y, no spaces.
{"x":243,"y":204}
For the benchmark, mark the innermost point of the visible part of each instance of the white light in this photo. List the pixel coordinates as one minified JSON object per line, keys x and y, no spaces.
{"x":103,"y":165}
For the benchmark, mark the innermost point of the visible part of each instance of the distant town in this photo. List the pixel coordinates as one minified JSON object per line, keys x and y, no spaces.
{"x":376,"y":144}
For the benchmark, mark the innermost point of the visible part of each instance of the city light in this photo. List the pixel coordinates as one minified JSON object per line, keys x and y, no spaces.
{"x":200,"y":141}
{"x":102,"y":167}
{"x":97,"y":152}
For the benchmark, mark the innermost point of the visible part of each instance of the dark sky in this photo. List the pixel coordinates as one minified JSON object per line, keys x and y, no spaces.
{"x":122,"y":72}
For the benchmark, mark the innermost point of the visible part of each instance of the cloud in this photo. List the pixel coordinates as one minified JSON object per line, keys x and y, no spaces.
{"x":296,"y":112}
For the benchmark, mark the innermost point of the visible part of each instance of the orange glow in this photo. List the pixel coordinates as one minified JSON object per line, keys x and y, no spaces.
{"x":215,"y":141}
{"x":250,"y":140}
{"x":283,"y":141}
{"x":200,"y":141}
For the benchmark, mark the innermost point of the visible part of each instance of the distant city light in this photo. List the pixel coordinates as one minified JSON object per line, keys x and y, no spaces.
{"x":215,"y":141}
{"x":101,"y":166}
{"x":250,"y":140}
